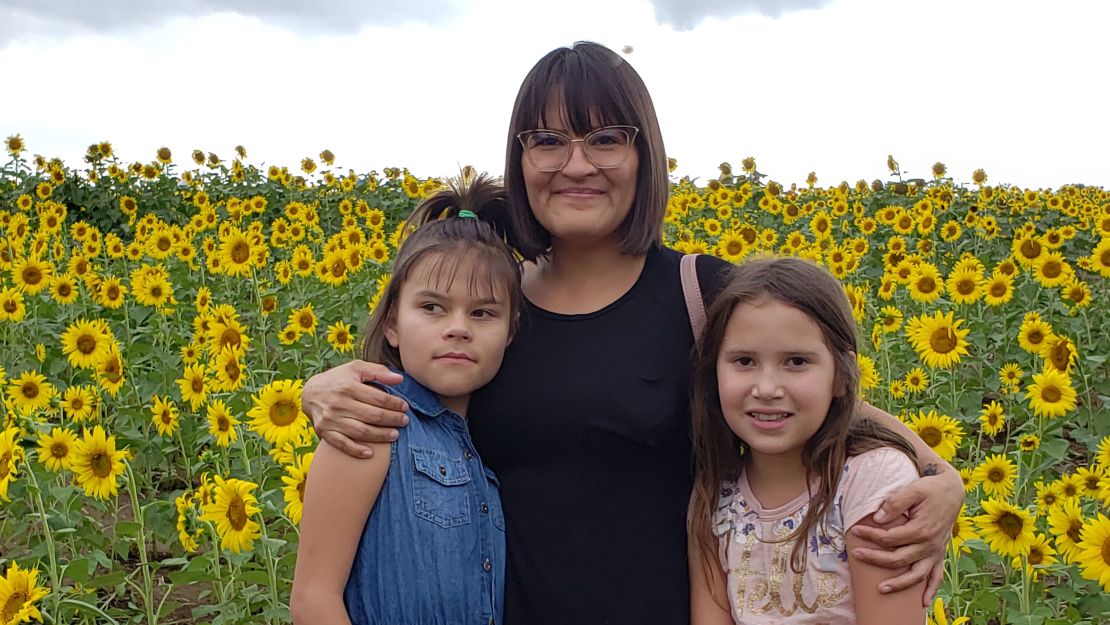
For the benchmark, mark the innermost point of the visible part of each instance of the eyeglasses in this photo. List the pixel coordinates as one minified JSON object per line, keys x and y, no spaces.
{"x":606,"y":148}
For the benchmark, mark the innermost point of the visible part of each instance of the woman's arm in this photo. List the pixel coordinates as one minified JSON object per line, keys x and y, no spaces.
{"x":349,"y":412}
{"x":871,"y":606}
{"x":933,"y":502}
{"x":338,"y":497}
{"x":705,"y":593}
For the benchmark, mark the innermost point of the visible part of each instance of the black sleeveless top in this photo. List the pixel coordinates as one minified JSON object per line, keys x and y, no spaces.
{"x":587,"y":426}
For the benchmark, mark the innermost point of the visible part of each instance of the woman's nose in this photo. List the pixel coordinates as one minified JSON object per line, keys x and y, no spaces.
{"x":767,"y":386}
{"x":578,"y":164}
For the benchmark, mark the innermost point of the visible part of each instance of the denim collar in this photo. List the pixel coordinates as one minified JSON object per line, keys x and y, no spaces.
{"x":419,"y":398}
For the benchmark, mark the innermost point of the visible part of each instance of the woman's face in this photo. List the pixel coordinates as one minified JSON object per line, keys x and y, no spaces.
{"x":580,"y":202}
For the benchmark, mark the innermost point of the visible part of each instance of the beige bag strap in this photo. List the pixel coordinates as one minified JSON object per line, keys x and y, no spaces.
{"x":695,"y":305}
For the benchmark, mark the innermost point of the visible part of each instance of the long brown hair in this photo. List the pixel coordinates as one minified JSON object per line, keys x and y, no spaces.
{"x":436,"y":232}
{"x":720,"y":454}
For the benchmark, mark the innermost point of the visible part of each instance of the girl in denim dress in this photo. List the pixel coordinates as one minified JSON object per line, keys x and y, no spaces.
{"x":416,"y":533}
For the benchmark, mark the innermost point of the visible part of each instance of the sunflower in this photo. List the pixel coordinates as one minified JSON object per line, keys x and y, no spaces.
{"x":109,"y":373}
{"x":732,"y":246}
{"x":110,"y":292}
{"x":1029,"y":442}
{"x":897,"y":389}
{"x":164,"y":415}
{"x":227,"y":333}
{"x":1071,"y":486}
{"x":97,"y":464}
{"x":996,"y":474}
{"x":1092,"y":479}
{"x":998,"y":289}
{"x":221,"y":425}
{"x":277,"y":415}
{"x":192,"y":385}
{"x":1007,"y":528}
{"x":1076,"y":292}
{"x":965,"y":286}
{"x":14,"y":145}
{"x":19,"y":591}
{"x":1033,"y":333}
{"x":56,"y":449}
{"x":1059,"y":353}
{"x":1093,"y":551}
{"x":304,"y":319}
{"x":1102,"y":454}
{"x":916,"y":380}
{"x":1066,"y":521}
{"x":339,"y":336}
{"x":296,"y":475}
{"x":31,"y":275}
{"x":1051,"y":270}
{"x":1100,"y":258}
{"x":289,"y":335}
{"x":10,"y":453}
{"x":925,"y":283}
{"x":63,"y":289}
{"x":1048,"y":495}
{"x":1026,"y":249}
{"x":230,"y":510}
{"x":236,"y":253}
{"x":890,"y":318}
{"x":940,"y":432}
{"x":12,"y":307}
{"x":1041,"y":556}
{"x":1010,"y":375}
{"x":30,"y":392}
{"x":993,"y":418}
{"x":963,"y":530}
{"x":230,"y":375}
{"x":868,"y":373}
{"x":79,"y":403}
{"x":938,"y":339}
{"x":86,"y":343}
{"x":1051,"y":394}
{"x":187,"y":530}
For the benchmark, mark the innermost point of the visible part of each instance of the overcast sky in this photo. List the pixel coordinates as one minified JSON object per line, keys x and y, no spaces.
{"x":832,"y":86}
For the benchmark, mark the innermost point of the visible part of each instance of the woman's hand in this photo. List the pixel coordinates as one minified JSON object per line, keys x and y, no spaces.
{"x":932,"y":503}
{"x":349,"y":412}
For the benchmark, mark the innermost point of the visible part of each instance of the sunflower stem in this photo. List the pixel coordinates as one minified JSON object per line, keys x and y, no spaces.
{"x":137,"y":511}
{"x":271,"y":570}
{"x":51,"y":548}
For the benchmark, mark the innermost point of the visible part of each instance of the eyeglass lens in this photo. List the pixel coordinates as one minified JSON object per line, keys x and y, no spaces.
{"x":605,"y":147}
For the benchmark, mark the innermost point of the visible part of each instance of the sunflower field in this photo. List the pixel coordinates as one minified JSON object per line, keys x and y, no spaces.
{"x":159,"y":318}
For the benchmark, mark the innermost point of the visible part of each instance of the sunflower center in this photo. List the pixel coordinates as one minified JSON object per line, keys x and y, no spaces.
{"x":64,"y":290}
{"x":59,"y":450}
{"x":996,"y":475}
{"x":734,"y":247}
{"x":30,"y":390}
{"x":1010,"y":524}
{"x":1030,"y":248}
{"x":197,"y":385}
{"x":1105,"y":258}
{"x":1051,"y":394}
{"x":1035,"y":336}
{"x":300,"y":490}
{"x":222,"y":424}
{"x":1051,"y":269}
{"x":163,"y":244}
{"x":1074,"y":531}
{"x":10,"y":306}
{"x":86,"y":344}
{"x":230,"y":337}
{"x":283,"y":413}
{"x":13,"y":605}
{"x":998,"y":289}
{"x":932,"y":436}
{"x":100,"y":464}
{"x":1036,"y":556}
{"x":240,"y":252}
{"x":942,"y":340}
{"x":1106,"y":552}
{"x":1060,"y":356}
{"x":1049,"y":500}
{"x":926,"y":285}
{"x":32,"y":275}
{"x":965,"y":286}
{"x":237,"y":513}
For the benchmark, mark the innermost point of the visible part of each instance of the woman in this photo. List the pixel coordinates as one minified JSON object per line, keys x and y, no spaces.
{"x":587,"y":423}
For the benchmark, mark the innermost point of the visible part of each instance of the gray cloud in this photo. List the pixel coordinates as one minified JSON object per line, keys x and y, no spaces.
{"x":30,"y":18}
{"x":686,"y":14}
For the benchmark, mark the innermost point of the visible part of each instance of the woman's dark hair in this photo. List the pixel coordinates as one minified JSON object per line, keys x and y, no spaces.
{"x":592,"y":83}
{"x":720,"y":454}
{"x":483,"y":243}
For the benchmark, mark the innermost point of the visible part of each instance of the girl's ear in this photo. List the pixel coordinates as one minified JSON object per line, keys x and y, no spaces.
{"x":390,"y":330}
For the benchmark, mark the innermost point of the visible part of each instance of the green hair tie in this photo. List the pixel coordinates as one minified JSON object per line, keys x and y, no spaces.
{"x":466,"y":214}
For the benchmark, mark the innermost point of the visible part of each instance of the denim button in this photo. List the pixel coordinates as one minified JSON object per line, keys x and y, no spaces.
{"x":468,"y":455}
{"x":485,"y":508}
{"x":487,"y":566}
{"x":442,"y":470}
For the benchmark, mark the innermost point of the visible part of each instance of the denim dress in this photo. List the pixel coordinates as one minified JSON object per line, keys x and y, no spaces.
{"x":433,"y":549}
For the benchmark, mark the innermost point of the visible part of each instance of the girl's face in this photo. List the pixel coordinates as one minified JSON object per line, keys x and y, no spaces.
{"x":451,"y":337}
{"x":775,"y":375}
{"x":580,"y":201}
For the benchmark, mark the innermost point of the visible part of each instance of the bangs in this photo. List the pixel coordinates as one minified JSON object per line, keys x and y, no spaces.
{"x":485,"y":272}
{"x":589,"y":89}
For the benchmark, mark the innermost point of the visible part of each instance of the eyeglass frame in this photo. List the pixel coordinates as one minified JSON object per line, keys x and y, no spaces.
{"x":633,"y":133}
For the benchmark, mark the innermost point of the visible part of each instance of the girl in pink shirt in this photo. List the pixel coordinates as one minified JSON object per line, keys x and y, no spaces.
{"x":783,"y":469}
